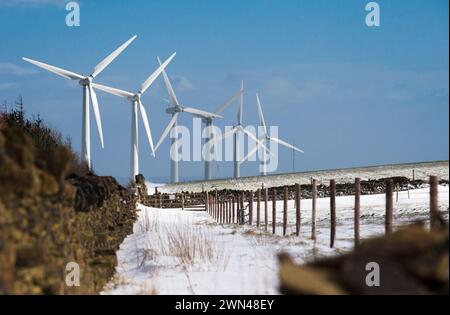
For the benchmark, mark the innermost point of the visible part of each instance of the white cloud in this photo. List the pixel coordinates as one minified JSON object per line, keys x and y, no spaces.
{"x":10,"y":68}
{"x":349,"y":84}
{"x":182,"y":84}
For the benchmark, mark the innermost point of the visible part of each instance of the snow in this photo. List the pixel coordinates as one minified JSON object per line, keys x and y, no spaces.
{"x":151,"y":187}
{"x":186,"y":252}
{"x":421,"y":171}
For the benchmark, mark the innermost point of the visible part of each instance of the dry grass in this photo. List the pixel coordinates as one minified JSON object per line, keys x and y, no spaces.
{"x":193,"y":243}
{"x":187,"y":242}
{"x":148,"y":223}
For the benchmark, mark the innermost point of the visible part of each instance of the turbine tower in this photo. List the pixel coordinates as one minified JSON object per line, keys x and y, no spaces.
{"x":88,"y":93}
{"x":172,"y":125}
{"x":135,"y":100}
{"x":265,"y":137}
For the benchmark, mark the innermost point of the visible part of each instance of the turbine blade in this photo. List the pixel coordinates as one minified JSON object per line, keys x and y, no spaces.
{"x":167,"y":130}
{"x":105,"y":62}
{"x":96,"y":113}
{"x":200,"y":113}
{"x":287,"y":145}
{"x":61,"y":72}
{"x":147,"y":127}
{"x":228,"y":103}
{"x":241,"y":105}
{"x":250,"y":153}
{"x":155,"y":74}
{"x":172,"y":96}
{"x":252,"y":136}
{"x":229,"y":133}
{"x":113,"y":91}
{"x":261,"y":115}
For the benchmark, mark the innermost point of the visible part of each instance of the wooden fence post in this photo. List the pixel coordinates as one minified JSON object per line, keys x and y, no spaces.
{"x":266,"y":210}
{"x":285,"y":209}
{"x":297,"y":209}
{"x":389,"y":206}
{"x":215,"y":204}
{"x":213,"y":208}
{"x":225,"y":210}
{"x":160,"y":201}
{"x":434,"y":202}
{"x":222,"y":203}
{"x":274,"y":209}
{"x":220,"y":210}
{"x":242,"y":217}
{"x":357,"y":209}
{"x":332,"y":212}
{"x":258,"y":207}
{"x":238,"y":207}
{"x":313,"y":214}
{"x":397,"y":188}
{"x":182,"y":201}
{"x":206,"y":202}
{"x":250,"y":207}
{"x":233,"y":201}
{"x":225,"y":204}
{"x":229,"y":211}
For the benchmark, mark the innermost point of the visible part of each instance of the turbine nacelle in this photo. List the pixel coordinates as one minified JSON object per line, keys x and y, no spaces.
{"x":173,"y":110}
{"x":135,"y":98}
{"x":86,"y":81}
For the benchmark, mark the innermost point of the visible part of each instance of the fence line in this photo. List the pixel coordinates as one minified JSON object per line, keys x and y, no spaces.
{"x":228,"y":206}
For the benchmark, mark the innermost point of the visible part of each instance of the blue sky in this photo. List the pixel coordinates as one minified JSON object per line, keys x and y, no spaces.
{"x":348,"y":94}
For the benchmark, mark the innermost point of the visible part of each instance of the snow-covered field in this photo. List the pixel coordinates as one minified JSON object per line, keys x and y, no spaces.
{"x":421,"y":171}
{"x":186,"y":252}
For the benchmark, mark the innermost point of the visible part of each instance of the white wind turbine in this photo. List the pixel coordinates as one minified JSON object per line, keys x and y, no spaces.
{"x":172,"y":125}
{"x":236,"y":131}
{"x":135,"y":100}
{"x":265,"y":137}
{"x":88,"y":93}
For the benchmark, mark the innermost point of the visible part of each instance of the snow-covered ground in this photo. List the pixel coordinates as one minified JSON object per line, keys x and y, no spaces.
{"x":186,"y":252}
{"x":421,"y":171}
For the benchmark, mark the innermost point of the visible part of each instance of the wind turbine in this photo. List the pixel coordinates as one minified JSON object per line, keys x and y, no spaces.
{"x":237,"y":131}
{"x":265,"y":137}
{"x":135,"y":100}
{"x":172,"y":125}
{"x":88,"y":93}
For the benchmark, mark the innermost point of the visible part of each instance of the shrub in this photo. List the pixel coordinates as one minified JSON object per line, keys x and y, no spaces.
{"x":52,"y":149}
